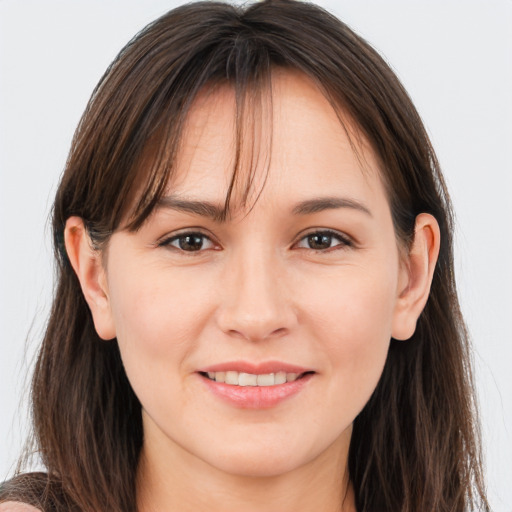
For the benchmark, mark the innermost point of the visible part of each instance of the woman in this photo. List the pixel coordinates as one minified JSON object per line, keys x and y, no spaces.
{"x":255,"y":307}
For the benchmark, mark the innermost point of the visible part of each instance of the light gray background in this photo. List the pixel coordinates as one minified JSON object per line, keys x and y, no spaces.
{"x":455,"y":59}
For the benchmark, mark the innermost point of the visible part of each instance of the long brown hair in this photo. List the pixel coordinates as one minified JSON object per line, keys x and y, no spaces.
{"x":415,"y":445}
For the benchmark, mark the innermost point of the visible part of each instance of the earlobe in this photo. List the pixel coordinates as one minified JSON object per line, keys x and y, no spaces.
{"x":86,"y":262}
{"x":417,"y":273}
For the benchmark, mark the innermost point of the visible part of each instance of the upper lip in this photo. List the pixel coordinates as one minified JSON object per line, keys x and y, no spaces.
{"x":255,"y":368}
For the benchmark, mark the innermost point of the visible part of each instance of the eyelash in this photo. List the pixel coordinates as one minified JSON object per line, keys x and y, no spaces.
{"x":176,"y":238}
{"x":344,"y":241}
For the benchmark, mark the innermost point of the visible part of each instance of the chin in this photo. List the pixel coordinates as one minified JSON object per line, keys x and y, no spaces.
{"x":259,"y":466}
{"x":263,"y":458}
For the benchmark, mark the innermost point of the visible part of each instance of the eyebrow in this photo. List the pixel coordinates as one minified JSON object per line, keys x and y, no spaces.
{"x":201,"y":208}
{"x":320,"y":204}
{"x":217,"y":213}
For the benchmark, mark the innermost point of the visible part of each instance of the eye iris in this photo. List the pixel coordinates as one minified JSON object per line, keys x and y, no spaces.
{"x":319,"y":241}
{"x":191,"y":242}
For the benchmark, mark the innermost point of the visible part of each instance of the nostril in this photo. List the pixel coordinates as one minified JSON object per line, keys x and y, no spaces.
{"x":257,"y":332}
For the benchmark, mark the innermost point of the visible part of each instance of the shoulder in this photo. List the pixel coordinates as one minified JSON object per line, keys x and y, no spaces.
{"x":16,"y":506}
{"x":35,"y":492}
{"x":23,"y":492}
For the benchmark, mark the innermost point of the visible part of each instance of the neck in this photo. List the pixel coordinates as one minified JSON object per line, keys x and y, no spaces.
{"x":175,"y":480}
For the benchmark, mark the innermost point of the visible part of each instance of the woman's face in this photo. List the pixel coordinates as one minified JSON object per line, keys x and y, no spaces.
{"x":301,"y":287}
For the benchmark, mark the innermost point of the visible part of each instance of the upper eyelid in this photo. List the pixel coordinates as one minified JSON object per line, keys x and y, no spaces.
{"x":186,"y":231}
{"x":167,"y":240}
{"x":333,"y":232}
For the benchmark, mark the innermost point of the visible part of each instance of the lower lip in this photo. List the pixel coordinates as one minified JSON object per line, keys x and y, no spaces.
{"x":256,"y":397}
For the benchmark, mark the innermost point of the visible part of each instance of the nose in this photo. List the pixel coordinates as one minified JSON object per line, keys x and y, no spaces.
{"x":255,"y":303}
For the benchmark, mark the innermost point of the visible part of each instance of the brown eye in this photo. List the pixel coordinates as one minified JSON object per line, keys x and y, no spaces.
{"x":189,"y":242}
{"x":324,"y":240}
{"x":319,"y":241}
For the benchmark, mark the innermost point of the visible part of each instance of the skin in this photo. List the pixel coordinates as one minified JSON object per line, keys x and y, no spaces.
{"x":15,"y":506}
{"x":257,"y":291}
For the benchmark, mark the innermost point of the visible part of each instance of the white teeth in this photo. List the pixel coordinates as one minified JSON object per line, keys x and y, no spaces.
{"x":231,"y":378}
{"x":250,"y":379}
{"x":267,"y":379}
{"x":247,"y":379}
{"x":280,"y":377}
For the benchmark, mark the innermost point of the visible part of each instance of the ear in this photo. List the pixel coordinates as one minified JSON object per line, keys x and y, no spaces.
{"x":416,"y":273}
{"x":87,"y":264}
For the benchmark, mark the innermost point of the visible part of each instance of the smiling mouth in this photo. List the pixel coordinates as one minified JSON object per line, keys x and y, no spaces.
{"x":254,"y":380}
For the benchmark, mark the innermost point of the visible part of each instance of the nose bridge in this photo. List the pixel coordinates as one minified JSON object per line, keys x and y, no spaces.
{"x":255,"y":304}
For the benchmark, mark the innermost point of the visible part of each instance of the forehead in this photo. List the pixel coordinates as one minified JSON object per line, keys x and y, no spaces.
{"x":286,"y":140}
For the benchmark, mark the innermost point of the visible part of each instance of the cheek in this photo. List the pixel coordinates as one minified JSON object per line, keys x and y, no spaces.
{"x":355,"y":303}
{"x":156,"y":309}
{"x":157,"y":326}
{"x":353,"y":322}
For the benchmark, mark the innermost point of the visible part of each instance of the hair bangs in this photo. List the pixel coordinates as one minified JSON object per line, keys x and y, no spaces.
{"x":247,"y":70}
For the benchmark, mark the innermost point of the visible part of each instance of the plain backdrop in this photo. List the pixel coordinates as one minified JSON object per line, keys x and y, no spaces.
{"x":454,"y":58}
